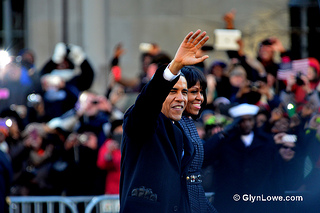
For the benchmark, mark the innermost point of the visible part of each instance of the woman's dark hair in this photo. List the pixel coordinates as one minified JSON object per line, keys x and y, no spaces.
{"x":194,"y":75}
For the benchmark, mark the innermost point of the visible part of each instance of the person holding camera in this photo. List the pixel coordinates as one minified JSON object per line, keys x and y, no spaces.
{"x":92,"y":113}
{"x":81,"y":150}
{"x":292,"y":155}
{"x":65,"y":61}
{"x":302,"y":88}
{"x":35,"y":160}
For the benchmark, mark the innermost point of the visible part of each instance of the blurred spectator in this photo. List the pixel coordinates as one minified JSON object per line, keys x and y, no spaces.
{"x":303,"y":88}
{"x":262,"y":118}
{"x":240,"y":86}
{"x":81,"y":156}
{"x":36,"y":110}
{"x":147,"y":51}
{"x":91,"y":113}
{"x":243,"y":158}
{"x":109,"y":158}
{"x":264,"y":66}
{"x":223,"y":87}
{"x":152,"y":57}
{"x":12,"y":91}
{"x":5,"y":181}
{"x":29,"y":74}
{"x":34,"y":176}
{"x":65,"y":62}
{"x":292,"y":156}
{"x":56,"y":96}
{"x":299,"y":164}
{"x":266,"y":53}
{"x":4,"y":133}
{"x":116,"y":75}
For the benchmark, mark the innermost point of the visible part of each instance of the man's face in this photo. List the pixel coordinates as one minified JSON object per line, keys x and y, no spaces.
{"x":266,"y":52}
{"x":176,"y":101}
{"x":246,"y":124}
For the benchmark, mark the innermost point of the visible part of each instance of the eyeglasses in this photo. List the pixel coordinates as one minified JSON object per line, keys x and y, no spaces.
{"x":288,"y":147}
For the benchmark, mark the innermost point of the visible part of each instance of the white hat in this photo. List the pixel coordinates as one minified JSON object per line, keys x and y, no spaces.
{"x":243,"y":109}
{"x":221,"y":100}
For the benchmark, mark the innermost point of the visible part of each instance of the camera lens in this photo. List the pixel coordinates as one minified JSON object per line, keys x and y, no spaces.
{"x":83,"y":138}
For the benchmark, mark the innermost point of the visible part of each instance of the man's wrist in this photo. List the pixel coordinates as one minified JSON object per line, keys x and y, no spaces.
{"x":175,"y":67}
{"x":169,"y":75}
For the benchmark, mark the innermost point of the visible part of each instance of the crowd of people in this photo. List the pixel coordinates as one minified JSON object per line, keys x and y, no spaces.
{"x":259,"y":125}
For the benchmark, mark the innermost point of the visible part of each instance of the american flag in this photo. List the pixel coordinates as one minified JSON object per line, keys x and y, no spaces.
{"x":295,"y":67}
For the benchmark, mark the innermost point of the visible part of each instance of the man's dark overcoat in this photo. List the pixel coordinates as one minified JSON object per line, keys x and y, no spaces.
{"x":155,"y":154}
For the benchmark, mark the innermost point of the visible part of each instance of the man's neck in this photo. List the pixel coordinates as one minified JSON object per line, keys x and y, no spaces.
{"x":247,"y":139}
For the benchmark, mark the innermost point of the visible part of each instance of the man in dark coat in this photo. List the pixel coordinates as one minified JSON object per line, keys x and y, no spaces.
{"x":155,"y":151}
{"x":243,"y":158}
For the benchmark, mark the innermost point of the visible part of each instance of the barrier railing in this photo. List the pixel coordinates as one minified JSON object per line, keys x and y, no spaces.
{"x":72,"y":204}
{"x":110,"y":203}
{"x":104,"y":204}
{"x":37,"y":204}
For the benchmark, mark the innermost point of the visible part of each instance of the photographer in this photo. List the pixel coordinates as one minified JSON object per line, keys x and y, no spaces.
{"x":264,"y":66}
{"x":91,"y":113}
{"x":66,"y":61}
{"x":302,"y":88}
{"x":258,"y":93}
{"x":36,"y":157}
{"x":81,"y":151}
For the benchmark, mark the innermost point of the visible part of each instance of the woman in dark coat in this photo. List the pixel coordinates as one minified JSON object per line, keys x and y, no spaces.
{"x":196,"y":100}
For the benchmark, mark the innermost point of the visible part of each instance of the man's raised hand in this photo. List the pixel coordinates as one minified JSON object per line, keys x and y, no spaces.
{"x":186,"y":53}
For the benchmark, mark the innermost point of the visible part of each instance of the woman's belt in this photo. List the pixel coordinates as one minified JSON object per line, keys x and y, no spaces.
{"x":193,"y":178}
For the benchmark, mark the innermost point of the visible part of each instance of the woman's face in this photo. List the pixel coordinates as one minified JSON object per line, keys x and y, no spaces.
{"x":237,"y":80}
{"x":287,"y":152}
{"x":311,"y":74}
{"x":195,"y":99}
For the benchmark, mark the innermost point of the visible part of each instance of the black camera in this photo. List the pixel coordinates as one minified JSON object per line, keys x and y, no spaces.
{"x":83,"y":138}
{"x":95,"y":102}
{"x":267,"y":42}
{"x":33,"y":99}
{"x":67,"y":50}
{"x":299,"y":81}
{"x":255,"y":85}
